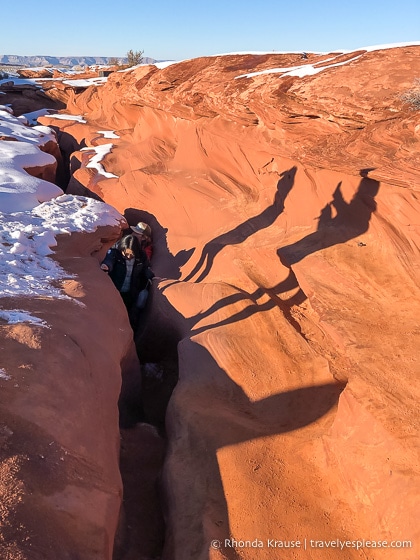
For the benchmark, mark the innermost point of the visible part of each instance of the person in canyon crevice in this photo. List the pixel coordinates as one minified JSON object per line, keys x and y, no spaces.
{"x":143,"y":233}
{"x":129,"y":268}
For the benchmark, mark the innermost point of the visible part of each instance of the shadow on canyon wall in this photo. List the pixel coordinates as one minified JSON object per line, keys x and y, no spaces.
{"x":351,"y":220}
{"x":241,"y":232}
{"x":164,"y":263}
{"x":234,"y":419}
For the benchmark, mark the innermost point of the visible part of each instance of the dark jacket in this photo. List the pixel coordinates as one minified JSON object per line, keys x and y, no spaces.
{"x":117,"y":270}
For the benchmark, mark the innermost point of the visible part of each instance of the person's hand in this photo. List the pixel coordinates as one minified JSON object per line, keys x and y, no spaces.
{"x":104,"y":267}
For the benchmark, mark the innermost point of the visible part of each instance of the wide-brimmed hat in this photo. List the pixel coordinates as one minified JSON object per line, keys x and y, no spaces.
{"x":142,"y":229}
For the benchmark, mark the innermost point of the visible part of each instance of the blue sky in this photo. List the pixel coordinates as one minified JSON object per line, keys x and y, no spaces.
{"x":182,"y":29}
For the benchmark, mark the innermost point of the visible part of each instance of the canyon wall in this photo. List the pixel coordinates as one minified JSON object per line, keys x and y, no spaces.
{"x":60,"y":483}
{"x":66,"y":347}
{"x":283,"y":197}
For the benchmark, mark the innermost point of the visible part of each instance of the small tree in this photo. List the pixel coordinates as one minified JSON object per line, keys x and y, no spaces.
{"x":412,"y":96}
{"x":134,"y":58}
{"x":113,"y":61}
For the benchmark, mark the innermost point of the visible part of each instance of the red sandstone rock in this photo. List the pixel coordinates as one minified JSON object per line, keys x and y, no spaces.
{"x":285,"y":215}
{"x":35,"y":72}
{"x":59,"y":478}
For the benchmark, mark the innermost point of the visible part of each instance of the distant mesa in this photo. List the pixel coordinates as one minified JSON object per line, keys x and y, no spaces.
{"x":61,"y":61}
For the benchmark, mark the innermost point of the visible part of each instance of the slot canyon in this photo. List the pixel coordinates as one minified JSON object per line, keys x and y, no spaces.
{"x":266,"y":406}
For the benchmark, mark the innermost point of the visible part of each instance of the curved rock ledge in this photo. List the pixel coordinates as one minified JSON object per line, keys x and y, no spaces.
{"x":59,"y":421}
{"x":285,"y":212}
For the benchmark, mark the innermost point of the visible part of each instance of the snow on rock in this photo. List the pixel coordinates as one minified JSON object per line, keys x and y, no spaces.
{"x":4,"y":375}
{"x":14,"y":316}
{"x":69,"y":213}
{"x":86,"y":82}
{"x":20,"y":150}
{"x":100,"y":153}
{"x":32,"y":117}
{"x":12,"y":127}
{"x":33,"y":211}
{"x":108,"y":133}
{"x":26,"y":239}
{"x":65,"y":117}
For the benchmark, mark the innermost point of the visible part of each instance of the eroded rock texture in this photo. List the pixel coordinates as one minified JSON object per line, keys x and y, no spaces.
{"x":66,"y":347}
{"x":61,"y":488}
{"x":285,"y":208}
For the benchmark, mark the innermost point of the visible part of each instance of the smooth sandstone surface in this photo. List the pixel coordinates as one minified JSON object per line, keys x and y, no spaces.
{"x":285,"y":219}
{"x":60,"y":380}
{"x":60,"y":483}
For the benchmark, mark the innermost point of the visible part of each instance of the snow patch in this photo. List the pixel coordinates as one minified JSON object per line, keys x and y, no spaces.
{"x":3,"y":375}
{"x":94,"y":163}
{"x":15,"y":316}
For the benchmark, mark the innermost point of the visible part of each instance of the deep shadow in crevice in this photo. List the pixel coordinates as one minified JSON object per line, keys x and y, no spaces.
{"x":142,"y":528}
{"x":164,"y":263}
{"x":77,"y":188}
{"x":157,"y":350}
{"x":145,"y":394}
{"x":68,"y":145}
{"x":143,"y":441}
{"x":234,"y":418}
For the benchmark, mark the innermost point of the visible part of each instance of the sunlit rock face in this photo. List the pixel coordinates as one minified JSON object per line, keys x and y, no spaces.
{"x":35,"y":72}
{"x":60,"y":382}
{"x":284,"y":206}
{"x":62,"y":365}
{"x":66,"y":348}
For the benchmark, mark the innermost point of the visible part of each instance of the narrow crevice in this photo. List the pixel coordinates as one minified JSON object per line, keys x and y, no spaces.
{"x":143,"y":446}
{"x":142,"y":405}
{"x":68,"y":145}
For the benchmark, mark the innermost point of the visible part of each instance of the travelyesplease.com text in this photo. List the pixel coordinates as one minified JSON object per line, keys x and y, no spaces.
{"x":310,"y":543}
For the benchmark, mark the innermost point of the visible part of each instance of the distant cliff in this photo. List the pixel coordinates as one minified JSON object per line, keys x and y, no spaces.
{"x":69,"y":61}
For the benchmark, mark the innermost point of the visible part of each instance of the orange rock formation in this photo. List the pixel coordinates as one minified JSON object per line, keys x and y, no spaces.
{"x":59,"y":478}
{"x":285,"y":219}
